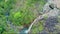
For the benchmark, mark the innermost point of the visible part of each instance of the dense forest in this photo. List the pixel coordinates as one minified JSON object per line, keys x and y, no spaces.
{"x":16,"y":17}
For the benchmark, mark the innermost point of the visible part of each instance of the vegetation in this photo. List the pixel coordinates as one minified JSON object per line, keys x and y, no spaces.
{"x":38,"y":28}
{"x":15,"y":14}
{"x":23,"y":16}
{"x":5,"y":8}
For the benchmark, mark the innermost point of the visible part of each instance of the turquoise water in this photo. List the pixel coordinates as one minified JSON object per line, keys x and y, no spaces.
{"x":23,"y":31}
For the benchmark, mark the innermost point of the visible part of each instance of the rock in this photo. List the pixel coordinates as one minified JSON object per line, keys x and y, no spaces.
{"x":57,"y":2}
{"x":50,"y":23}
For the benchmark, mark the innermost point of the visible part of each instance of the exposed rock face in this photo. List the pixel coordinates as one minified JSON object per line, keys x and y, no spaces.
{"x":51,"y":21}
{"x":52,"y":11}
{"x":57,"y":2}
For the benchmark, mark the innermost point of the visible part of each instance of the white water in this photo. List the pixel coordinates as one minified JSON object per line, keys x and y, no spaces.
{"x":35,"y":21}
{"x":49,"y":13}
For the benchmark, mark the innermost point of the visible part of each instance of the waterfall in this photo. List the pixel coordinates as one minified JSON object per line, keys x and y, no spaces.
{"x":35,"y":21}
{"x":47,"y":11}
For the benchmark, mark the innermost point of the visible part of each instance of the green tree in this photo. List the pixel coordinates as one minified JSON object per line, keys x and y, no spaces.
{"x":24,"y":16}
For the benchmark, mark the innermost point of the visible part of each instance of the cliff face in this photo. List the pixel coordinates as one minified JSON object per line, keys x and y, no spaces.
{"x":57,"y":2}
{"x":51,"y":23}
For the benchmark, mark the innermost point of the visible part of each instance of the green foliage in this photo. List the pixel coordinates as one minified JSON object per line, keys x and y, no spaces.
{"x":25,"y":15}
{"x":4,"y":8}
{"x":38,"y":27}
{"x":2,"y":24}
{"x":21,"y":17}
{"x":10,"y":31}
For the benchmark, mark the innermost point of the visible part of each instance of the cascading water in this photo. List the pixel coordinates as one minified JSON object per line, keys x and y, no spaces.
{"x":51,"y":12}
